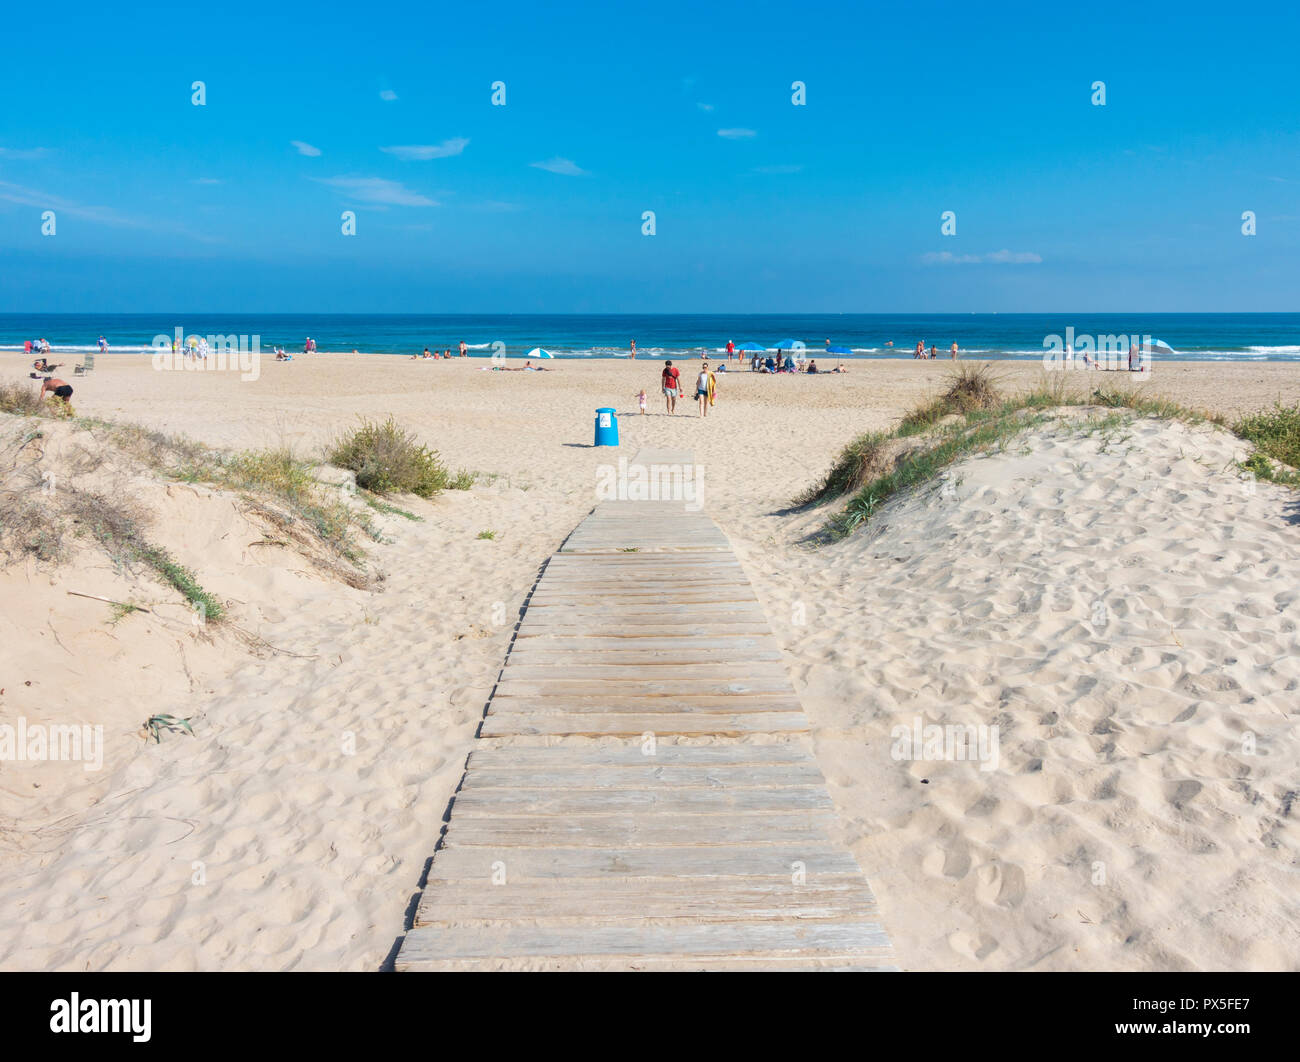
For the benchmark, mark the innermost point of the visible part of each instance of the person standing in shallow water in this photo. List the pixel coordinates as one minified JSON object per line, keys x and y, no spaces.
{"x":954,"y":350}
{"x":633,"y":355}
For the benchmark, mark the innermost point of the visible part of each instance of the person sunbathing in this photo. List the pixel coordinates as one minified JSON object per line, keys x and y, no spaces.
{"x":41,"y":365}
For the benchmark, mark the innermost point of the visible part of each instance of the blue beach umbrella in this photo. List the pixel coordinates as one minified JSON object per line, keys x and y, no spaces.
{"x":538,"y":352}
{"x":788,"y":344}
{"x":838,"y":350}
{"x":751,"y":346}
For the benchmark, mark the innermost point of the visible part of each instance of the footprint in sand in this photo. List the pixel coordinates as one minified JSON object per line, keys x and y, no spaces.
{"x":1000,"y":884}
{"x":947,"y":862}
{"x":972,"y":946}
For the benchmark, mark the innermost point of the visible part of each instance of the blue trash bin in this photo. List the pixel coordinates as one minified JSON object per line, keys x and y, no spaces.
{"x":606,"y":427}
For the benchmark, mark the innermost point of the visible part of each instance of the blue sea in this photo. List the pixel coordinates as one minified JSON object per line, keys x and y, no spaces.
{"x":1195,"y":337}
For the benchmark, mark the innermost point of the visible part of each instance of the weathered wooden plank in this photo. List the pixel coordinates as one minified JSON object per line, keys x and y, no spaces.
{"x":708,"y":900}
{"x":681,"y":724}
{"x":596,"y":642}
{"x":839,"y":941}
{"x":633,"y":830}
{"x":652,"y":610}
{"x":630,"y":754}
{"x":679,"y":777}
{"x":648,"y":802}
{"x":676,"y":964}
{"x":612,"y":596}
{"x":643,"y":703}
{"x":561,"y":686}
{"x":687,"y":629}
{"x":815,"y":861}
{"x":598,"y":670}
{"x":669,"y":657}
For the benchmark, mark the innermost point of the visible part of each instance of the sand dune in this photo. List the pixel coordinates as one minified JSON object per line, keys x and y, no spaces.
{"x":291,"y":831}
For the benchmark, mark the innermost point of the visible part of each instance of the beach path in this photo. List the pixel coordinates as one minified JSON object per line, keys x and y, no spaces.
{"x":642,"y":795}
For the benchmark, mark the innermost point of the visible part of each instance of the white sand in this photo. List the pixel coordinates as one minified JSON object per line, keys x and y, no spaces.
{"x":1120,"y":744}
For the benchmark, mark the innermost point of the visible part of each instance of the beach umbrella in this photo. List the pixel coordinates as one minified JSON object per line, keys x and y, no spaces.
{"x":838,"y":350}
{"x":538,"y":352}
{"x":788,"y":344}
{"x":751,"y":346}
{"x":1157,"y":346}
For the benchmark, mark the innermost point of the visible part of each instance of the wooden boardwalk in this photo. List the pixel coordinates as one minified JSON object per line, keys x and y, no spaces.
{"x":694,"y":831}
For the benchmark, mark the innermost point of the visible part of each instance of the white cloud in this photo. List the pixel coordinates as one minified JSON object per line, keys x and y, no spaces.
{"x":23,"y":153}
{"x":14,"y":193}
{"x":736,"y":134}
{"x":789,"y":168}
{"x":388,"y":94}
{"x":207,"y":180}
{"x":705,"y":106}
{"x":1003,"y":257}
{"x":377,"y":190}
{"x":305,"y":149}
{"x":446,"y":149}
{"x":565,"y":167}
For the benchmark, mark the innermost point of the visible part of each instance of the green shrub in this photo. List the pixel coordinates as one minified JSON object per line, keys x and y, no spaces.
{"x":387,"y":459}
{"x":1276,"y":432}
{"x":971,"y":387}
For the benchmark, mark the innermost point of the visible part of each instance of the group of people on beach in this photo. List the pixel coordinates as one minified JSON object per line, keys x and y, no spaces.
{"x":446,"y":353}
{"x":920,"y":353}
{"x":670,"y":382}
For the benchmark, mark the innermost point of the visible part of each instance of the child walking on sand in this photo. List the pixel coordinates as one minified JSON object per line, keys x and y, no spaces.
{"x":640,"y":401}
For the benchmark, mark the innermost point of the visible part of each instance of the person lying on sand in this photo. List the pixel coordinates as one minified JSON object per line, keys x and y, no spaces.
{"x":41,"y":365}
{"x":58,"y":388}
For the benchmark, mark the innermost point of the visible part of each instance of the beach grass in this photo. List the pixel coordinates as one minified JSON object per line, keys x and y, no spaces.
{"x":972,"y":415}
{"x":1276,"y":435}
{"x":276,"y":484}
{"x":387,"y":459}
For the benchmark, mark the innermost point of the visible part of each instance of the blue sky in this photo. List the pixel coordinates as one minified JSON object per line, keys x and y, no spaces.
{"x":682,"y":109}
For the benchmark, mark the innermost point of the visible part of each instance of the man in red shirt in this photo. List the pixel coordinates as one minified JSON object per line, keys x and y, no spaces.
{"x":671,"y":385}
{"x":731,"y":348}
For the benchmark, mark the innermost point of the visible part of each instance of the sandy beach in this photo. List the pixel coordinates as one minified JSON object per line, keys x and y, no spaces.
{"x":1124,"y":828}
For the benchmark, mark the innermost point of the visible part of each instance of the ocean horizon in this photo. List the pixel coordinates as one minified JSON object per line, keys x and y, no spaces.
{"x":1260,"y":337}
